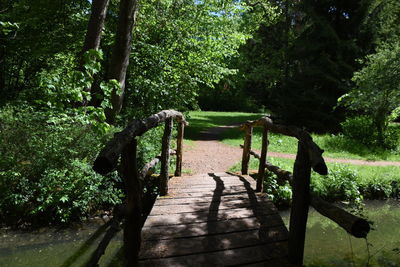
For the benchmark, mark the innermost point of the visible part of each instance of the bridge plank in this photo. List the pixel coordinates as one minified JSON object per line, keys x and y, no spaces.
{"x":230,"y":257}
{"x":188,"y":200}
{"x":184,"y":218}
{"x":180,"y":247}
{"x":201,"y":206}
{"x":209,"y":228}
{"x":213,"y":219}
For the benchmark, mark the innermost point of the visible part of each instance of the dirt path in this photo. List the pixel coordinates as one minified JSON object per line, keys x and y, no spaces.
{"x":211,"y":155}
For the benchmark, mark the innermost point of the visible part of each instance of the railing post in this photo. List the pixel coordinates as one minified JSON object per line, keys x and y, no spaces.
{"x":246,"y":149}
{"x":164,"y":173}
{"x":300,"y":204}
{"x":263,"y":159}
{"x":132,"y":229}
{"x":179,"y":147}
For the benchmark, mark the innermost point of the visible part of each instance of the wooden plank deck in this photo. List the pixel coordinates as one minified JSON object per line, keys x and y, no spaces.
{"x":214,"y":219}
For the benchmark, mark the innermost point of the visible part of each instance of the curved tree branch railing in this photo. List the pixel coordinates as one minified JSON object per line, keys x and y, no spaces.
{"x":124,"y":145}
{"x":309,"y":155}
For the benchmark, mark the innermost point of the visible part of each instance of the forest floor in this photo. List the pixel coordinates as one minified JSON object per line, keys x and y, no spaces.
{"x":208,"y":154}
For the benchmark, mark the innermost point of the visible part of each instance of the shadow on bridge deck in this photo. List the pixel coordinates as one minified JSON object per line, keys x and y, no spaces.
{"x":214,"y":219}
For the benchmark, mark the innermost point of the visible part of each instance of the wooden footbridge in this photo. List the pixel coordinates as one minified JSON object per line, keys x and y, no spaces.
{"x":214,"y":219}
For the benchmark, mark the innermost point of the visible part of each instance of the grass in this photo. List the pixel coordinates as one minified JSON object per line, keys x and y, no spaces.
{"x":373,"y":181}
{"x":364,"y":172}
{"x":335,"y":146}
{"x":201,"y":120}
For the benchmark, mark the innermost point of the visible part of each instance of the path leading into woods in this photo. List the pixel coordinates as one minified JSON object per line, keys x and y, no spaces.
{"x":211,"y":155}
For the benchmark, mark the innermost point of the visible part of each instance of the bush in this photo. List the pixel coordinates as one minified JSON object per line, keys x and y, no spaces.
{"x":45,"y":172}
{"x":339,"y":184}
{"x":362,"y":129}
{"x":281,"y":195}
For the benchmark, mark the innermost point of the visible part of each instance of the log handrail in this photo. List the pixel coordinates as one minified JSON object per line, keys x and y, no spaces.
{"x":354,"y":225}
{"x":107,"y":159}
{"x":314,"y":152}
{"x":309,"y":156}
{"x":124,"y":145}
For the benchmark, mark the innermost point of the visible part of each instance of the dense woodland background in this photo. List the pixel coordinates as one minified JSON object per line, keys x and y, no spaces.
{"x":74,"y":72}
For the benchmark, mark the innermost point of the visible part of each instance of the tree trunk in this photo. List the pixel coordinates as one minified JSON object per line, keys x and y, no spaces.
{"x":93,"y":33}
{"x":95,"y":25}
{"x":120,"y":54}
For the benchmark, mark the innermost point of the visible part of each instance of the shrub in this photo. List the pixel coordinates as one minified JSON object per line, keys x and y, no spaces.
{"x":281,"y":195}
{"x":339,"y":184}
{"x":362,"y":129}
{"x":45,"y":172}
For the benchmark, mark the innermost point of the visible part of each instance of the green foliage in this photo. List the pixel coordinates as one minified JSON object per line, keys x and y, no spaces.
{"x":7,"y":28}
{"x":378,"y":88}
{"x":201,"y":120}
{"x":45,"y":167}
{"x":336,"y":146}
{"x":225,"y":97}
{"x":348,"y":183}
{"x":149,"y":145}
{"x":361,"y":128}
{"x":301,"y":62}
{"x":73,"y":192}
{"x":382,"y":21}
{"x":281,"y":195}
{"x":61,"y":86}
{"x":46,"y":29}
{"x":339,"y":184}
{"x":180,"y":47}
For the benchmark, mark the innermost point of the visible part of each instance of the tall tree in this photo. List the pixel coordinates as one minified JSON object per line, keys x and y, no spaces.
{"x":95,"y":25}
{"x":301,"y":81}
{"x":120,"y":55}
{"x":46,"y":29}
{"x":93,"y":33}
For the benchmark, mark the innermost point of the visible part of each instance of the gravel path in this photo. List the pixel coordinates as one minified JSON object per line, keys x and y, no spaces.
{"x":211,"y":155}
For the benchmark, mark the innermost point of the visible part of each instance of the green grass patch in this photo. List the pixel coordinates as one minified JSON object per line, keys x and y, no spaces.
{"x":335,"y":146}
{"x":344,"y":182}
{"x":201,"y":120}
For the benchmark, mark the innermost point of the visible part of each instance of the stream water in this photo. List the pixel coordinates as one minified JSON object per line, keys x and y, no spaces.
{"x":326,"y":243}
{"x":329,"y":245}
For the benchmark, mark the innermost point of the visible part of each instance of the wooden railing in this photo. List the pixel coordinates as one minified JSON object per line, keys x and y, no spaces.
{"x":124,"y":145}
{"x":309,"y":156}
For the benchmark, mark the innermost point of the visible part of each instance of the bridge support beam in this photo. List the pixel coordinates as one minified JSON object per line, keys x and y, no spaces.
{"x":133,"y":219}
{"x":179,"y":148}
{"x":300,"y":204}
{"x":263,"y":159}
{"x":246,"y":149}
{"x":166,"y":141}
